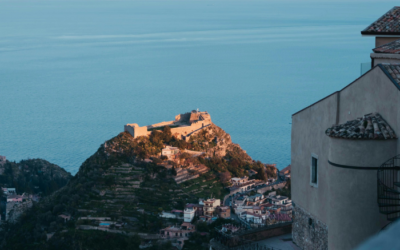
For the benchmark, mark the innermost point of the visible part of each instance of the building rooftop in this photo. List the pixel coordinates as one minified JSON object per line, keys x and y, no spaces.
{"x":388,"y":24}
{"x":279,"y":197}
{"x":287,"y":169}
{"x":238,"y":178}
{"x":389,"y":48}
{"x":393,"y":69}
{"x":370,"y":127}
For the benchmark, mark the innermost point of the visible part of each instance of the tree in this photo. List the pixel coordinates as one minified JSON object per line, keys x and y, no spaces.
{"x":225,"y":176}
{"x":173,"y":171}
{"x":261,"y":174}
{"x":167,"y":135}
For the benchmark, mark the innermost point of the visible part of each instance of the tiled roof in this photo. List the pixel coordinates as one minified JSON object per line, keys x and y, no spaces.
{"x":370,"y":126}
{"x":389,"y":23}
{"x":288,"y":168}
{"x":393,"y":70}
{"x":389,"y":48}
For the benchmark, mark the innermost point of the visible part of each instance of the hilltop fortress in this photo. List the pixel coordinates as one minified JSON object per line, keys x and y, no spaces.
{"x":182,"y":127}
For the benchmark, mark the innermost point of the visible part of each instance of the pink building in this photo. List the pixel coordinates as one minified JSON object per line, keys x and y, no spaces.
{"x":14,"y":198}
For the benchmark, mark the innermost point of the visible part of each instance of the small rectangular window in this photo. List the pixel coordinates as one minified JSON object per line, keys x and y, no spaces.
{"x":314,"y":169}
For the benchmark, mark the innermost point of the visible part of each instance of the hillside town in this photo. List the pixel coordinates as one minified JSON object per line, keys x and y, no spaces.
{"x":253,"y":206}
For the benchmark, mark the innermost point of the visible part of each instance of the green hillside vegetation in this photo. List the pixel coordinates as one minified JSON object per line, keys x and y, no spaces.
{"x":34,"y":176}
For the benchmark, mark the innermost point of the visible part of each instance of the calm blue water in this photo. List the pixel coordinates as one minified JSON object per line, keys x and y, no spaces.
{"x":72,"y":73}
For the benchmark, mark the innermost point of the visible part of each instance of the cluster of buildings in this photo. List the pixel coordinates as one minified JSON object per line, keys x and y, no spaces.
{"x":14,"y":205}
{"x":178,"y":234}
{"x":258,"y":210}
{"x":207,"y":210}
{"x":245,"y":185}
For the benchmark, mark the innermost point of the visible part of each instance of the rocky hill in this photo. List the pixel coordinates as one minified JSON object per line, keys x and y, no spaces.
{"x":33,"y":176}
{"x":123,"y":188}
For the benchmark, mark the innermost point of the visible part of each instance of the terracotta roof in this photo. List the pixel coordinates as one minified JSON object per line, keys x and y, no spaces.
{"x":389,"y":48}
{"x":370,"y":126}
{"x":288,"y":168}
{"x":389,"y":23}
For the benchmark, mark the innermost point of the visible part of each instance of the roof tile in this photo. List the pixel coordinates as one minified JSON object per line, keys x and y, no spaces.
{"x":368,"y":127}
{"x":393,"y":70}
{"x":388,"y":23}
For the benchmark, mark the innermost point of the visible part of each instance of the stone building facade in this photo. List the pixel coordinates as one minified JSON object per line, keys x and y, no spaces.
{"x":337,"y":147}
{"x":308,"y":232}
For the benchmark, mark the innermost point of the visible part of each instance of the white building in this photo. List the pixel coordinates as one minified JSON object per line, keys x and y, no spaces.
{"x":188,"y":214}
{"x":239,"y":181}
{"x":253,"y":217}
{"x":169,"y":151}
{"x":9,"y":191}
{"x":210,"y":205}
{"x":278,"y":200}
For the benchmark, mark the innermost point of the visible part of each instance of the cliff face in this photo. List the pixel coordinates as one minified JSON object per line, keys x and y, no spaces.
{"x":216,"y":142}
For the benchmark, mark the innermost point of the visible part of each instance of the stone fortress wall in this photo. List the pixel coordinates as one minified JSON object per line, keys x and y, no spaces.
{"x":187,"y":124}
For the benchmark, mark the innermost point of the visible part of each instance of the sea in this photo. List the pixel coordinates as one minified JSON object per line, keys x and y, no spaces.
{"x":72,"y":73}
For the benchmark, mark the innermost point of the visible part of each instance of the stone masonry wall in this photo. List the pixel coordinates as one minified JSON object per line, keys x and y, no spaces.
{"x":180,"y":132}
{"x":308,"y":232}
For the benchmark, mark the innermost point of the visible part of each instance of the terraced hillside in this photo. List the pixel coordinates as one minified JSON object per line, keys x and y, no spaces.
{"x":115,"y":199}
